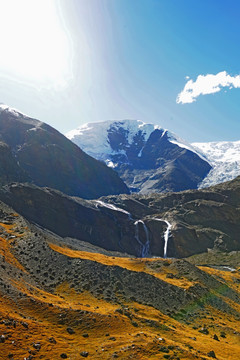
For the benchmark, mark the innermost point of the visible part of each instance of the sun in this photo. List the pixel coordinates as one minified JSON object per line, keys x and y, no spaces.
{"x":34,"y":44}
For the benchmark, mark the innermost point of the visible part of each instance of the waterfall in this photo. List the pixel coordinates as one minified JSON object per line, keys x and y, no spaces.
{"x":145,"y":250}
{"x":166,"y":236}
{"x":144,"y":246}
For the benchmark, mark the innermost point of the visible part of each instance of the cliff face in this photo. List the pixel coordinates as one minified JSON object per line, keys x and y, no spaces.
{"x":48,"y":158}
{"x":201,"y":219}
{"x":172,"y":225}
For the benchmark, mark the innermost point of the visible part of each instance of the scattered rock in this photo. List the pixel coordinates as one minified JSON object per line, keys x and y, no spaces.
{"x":212,"y":354}
{"x":24,"y":324}
{"x":52,"y":340}
{"x":164,"y":349}
{"x":37,"y":346}
{"x":84,"y":354}
{"x":204,"y":331}
{"x":64,"y":356}
{"x":2,"y":338}
{"x":70,"y":330}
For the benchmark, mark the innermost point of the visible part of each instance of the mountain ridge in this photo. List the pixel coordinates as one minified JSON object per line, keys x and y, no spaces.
{"x":48,"y":158}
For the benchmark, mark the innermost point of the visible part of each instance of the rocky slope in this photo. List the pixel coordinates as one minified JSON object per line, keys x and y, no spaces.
{"x":173,"y":225}
{"x":60,"y":302}
{"x":147,"y":157}
{"x":224,"y":157}
{"x":40,"y":154}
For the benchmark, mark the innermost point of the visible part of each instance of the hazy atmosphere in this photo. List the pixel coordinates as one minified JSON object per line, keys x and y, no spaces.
{"x":173,"y":63}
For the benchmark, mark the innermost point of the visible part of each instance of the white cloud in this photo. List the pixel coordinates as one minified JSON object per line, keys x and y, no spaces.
{"x":207,"y":84}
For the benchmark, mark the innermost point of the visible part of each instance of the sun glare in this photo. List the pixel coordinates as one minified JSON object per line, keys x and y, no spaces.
{"x":34,"y":44}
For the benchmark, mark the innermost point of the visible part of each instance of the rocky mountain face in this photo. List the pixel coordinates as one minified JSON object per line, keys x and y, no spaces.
{"x":167,"y":225}
{"x":9,"y":167}
{"x":33,"y":151}
{"x":147,"y":157}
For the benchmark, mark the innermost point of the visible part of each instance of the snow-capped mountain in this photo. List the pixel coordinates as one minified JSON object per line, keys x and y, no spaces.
{"x":146,"y":156}
{"x":224,"y":157}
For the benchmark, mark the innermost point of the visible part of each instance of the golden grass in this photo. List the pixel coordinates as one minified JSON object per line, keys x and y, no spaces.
{"x":132,"y":264}
{"x":99,"y":319}
{"x":140,"y":333}
{"x":5,"y":251}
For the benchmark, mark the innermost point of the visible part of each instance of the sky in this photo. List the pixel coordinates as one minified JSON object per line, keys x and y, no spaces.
{"x":175,"y":63}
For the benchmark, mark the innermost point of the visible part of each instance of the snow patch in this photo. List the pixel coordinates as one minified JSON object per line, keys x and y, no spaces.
{"x":111,"y":164}
{"x":93,"y":138}
{"x":13,"y":111}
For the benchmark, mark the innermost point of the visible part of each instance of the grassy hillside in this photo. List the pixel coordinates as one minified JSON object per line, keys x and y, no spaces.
{"x":60,"y":302}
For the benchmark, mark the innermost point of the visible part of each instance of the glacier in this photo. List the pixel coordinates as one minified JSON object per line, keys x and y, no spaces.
{"x":224,"y":157}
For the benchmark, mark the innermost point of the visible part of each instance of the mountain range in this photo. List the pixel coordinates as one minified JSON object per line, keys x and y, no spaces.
{"x":151,"y":159}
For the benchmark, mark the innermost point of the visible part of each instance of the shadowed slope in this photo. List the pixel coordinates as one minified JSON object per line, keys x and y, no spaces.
{"x":48,"y":158}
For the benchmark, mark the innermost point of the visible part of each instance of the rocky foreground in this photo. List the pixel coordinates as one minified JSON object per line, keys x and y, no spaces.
{"x":59,"y":301}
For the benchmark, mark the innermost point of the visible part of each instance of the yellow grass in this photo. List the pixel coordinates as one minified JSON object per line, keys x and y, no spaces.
{"x":132,"y":264}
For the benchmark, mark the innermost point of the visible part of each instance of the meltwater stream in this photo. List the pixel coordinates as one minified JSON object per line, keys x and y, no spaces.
{"x":112,"y":207}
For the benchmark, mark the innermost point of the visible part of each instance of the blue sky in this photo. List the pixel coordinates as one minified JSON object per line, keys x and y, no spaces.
{"x":124,"y":59}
